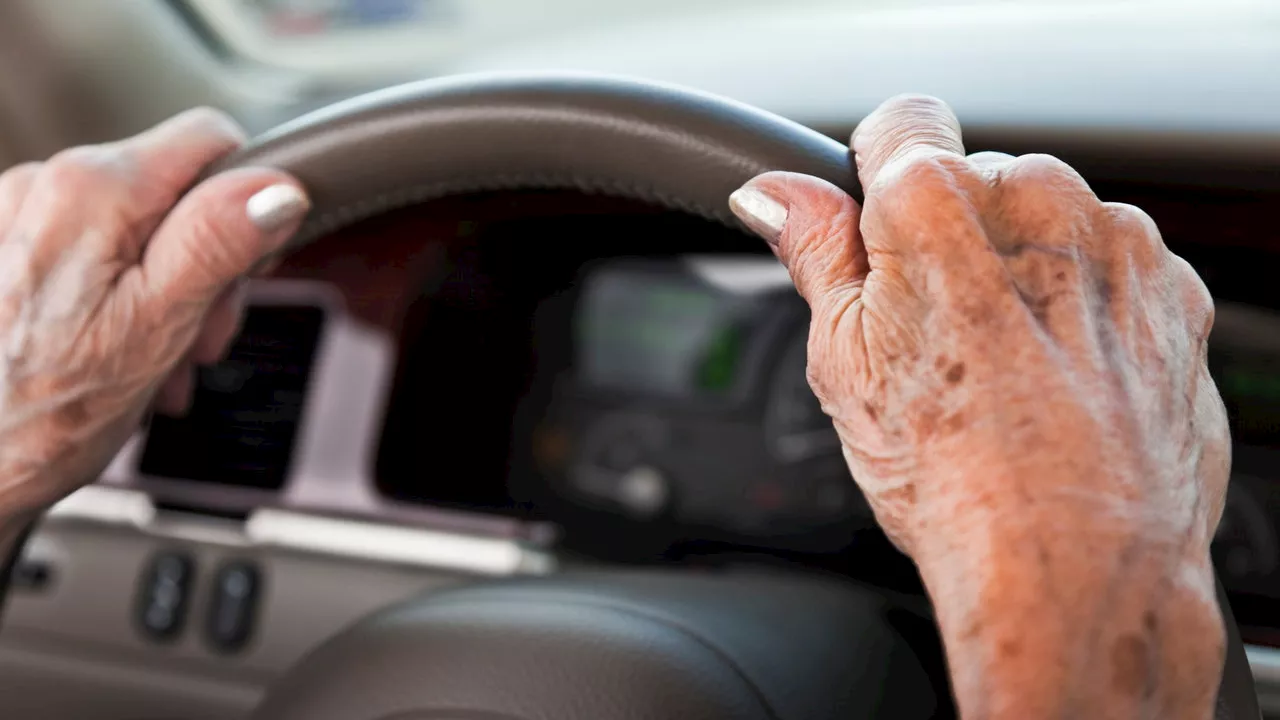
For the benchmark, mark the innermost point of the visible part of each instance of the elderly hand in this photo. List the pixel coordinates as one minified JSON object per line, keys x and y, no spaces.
{"x":112,"y":283}
{"x":1017,"y":372}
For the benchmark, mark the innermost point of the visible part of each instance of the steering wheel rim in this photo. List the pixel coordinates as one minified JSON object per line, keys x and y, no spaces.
{"x":664,"y":144}
{"x":672,"y":146}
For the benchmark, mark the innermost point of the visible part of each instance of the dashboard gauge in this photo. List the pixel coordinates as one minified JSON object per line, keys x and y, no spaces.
{"x":795,"y":426}
{"x":688,"y":404}
{"x":643,"y":490}
{"x":617,"y":463}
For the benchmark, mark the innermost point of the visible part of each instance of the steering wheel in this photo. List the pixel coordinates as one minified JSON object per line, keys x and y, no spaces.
{"x":602,"y":645}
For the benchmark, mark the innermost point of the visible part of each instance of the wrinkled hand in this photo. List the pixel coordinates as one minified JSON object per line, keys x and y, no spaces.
{"x":1017,"y":371}
{"x":112,"y":283}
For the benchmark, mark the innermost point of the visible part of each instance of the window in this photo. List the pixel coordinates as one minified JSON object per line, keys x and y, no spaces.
{"x":337,"y":38}
{"x":295,"y":18}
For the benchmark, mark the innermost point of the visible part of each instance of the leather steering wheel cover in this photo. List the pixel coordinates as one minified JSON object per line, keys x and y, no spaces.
{"x":621,"y":645}
{"x":673,"y":146}
{"x":668,"y":145}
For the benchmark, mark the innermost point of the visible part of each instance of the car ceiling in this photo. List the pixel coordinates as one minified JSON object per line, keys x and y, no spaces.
{"x":1190,"y":76}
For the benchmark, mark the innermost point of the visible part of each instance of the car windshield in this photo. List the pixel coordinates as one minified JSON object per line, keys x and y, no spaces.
{"x":378,"y":37}
{"x":312,"y":17}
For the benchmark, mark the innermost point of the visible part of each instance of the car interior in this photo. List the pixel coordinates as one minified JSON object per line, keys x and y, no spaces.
{"x":520,"y":426}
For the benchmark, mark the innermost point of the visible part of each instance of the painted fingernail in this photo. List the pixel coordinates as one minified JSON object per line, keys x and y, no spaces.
{"x":276,"y":207}
{"x":760,"y":212}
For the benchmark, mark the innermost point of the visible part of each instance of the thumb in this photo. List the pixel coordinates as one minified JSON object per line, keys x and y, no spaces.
{"x":218,"y":232}
{"x":812,"y":227}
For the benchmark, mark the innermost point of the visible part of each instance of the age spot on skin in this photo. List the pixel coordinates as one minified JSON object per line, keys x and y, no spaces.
{"x":956,"y":373}
{"x":75,"y":413}
{"x":1010,"y":649}
{"x":906,"y":493}
{"x":1019,"y":249}
{"x":871,"y":411}
{"x":1131,"y":669}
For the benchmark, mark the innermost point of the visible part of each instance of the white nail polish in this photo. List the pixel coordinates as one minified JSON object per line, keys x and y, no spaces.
{"x":763,"y":214}
{"x":277,"y":206}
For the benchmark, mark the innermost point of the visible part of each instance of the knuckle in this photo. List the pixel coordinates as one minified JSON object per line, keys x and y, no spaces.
{"x":834,"y":351}
{"x":916,"y":105}
{"x":1045,"y":169}
{"x":208,"y":115}
{"x":1196,"y":298}
{"x":821,"y":379}
{"x":1132,"y":223}
{"x":990,"y":163}
{"x":83,"y":169}
{"x":1053,"y":184}
{"x":1130,"y":237}
{"x":1040,"y":201}
{"x":814,"y":376}
{"x":906,"y":120}
{"x":922,"y":169}
{"x":818,"y":351}
{"x":925,"y":202}
{"x":896,"y":111}
{"x":20,"y":173}
{"x":213,"y":121}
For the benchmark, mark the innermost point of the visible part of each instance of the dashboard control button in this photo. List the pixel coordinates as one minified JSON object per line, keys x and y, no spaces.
{"x":164,"y":595}
{"x":233,"y":607}
{"x":32,"y":575}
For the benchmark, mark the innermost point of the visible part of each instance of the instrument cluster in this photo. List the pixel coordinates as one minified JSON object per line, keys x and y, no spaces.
{"x":686,"y":400}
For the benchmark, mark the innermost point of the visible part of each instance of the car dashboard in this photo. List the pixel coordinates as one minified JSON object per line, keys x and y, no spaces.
{"x":614,"y":383}
{"x":622,"y":384}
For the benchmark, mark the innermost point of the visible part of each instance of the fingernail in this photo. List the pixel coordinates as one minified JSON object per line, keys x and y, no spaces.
{"x":276,"y":207}
{"x":760,"y":212}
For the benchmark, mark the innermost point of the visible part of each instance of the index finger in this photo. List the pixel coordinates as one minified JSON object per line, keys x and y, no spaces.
{"x":177,"y":150}
{"x":168,"y":158}
{"x":148,"y":172}
{"x":900,"y":127}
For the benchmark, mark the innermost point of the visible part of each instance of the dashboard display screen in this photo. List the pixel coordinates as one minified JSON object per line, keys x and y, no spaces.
{"x":657,"y":333}
{"x":243,"y":422}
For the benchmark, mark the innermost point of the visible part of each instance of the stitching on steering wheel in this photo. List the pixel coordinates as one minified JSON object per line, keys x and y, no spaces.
{"x":368,"y":207}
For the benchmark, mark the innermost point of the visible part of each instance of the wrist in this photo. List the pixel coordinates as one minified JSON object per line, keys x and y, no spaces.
{"x":1036,"y":623}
